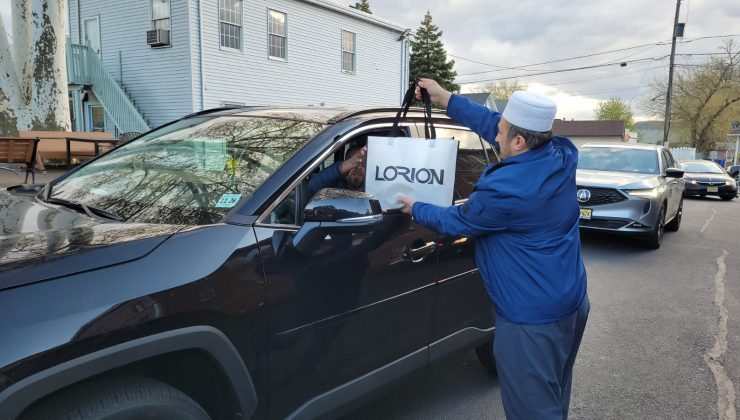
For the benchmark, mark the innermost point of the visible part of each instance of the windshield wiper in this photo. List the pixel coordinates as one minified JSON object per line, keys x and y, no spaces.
{"x":92,"y":212}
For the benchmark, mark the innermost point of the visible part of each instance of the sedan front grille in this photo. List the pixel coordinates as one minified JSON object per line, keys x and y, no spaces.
{"x":603,"y":223}
{"x":601,"y":196}
{"x":712,"y":183}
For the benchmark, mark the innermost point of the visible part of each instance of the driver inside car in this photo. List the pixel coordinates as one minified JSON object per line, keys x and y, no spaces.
{"x":347,"y":174}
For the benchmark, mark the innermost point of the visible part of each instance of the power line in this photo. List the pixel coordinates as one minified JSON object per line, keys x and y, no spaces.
{"x":610,"y":76}
{"x":619,"y":63}
{"x":524,"y":67}
{"x":559,"y":71}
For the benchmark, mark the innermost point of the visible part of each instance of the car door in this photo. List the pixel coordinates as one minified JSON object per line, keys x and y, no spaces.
{"x":678,"y":183}
{"x":463,"y":311}
{"x":673,"y":193}
{"x":352,"y":305}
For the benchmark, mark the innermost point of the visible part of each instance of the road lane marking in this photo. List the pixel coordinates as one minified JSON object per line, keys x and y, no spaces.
{"x":706,"y":224}
{"x":725,"y":387}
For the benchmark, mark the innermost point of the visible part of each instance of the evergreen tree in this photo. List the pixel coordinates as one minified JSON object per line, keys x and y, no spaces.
{"x":429,"y":58}
{"x":365,"y":6}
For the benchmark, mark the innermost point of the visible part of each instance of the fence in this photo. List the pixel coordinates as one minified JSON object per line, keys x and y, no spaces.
{"x":683,"y":153}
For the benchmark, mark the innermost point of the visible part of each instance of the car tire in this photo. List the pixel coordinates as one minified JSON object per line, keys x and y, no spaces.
{"x":727,"y":197}
{"x":655,"y":238}
{"x":675,"y":224}
{"x":117,"y":397}
{"x":485,"y":356}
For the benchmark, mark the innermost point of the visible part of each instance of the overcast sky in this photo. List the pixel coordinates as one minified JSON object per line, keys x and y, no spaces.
{"x":518,"y":33}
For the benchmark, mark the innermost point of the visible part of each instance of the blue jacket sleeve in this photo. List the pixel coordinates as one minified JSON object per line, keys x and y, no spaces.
{"x":476,"y":117}
{"x":469,"y":219}
{"x":329,"y":177}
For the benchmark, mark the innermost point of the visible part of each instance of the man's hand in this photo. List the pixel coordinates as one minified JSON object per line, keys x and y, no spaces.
{"x":437,"y":94}
{"x":408,"y":204}
{"x":355,"y":161}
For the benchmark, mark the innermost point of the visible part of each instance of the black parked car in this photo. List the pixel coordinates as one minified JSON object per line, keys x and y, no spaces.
{"x":704,"y":177}
{"x":734,"y":172}
{"x":188,"y":274}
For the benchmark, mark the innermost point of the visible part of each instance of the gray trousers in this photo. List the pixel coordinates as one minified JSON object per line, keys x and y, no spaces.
{"x":535,"y":365}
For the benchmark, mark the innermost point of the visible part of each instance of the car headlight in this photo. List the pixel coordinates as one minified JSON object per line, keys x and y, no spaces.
{"x":646,"y":193}
{"x":728,"y":183}
{"x":694,"y":182}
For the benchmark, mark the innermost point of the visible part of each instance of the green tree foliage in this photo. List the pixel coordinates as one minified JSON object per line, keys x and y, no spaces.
{"x":429,"y":58}
{"x":615,"y":109}
{"x":705,"y":100}
{"x":365,"y":6}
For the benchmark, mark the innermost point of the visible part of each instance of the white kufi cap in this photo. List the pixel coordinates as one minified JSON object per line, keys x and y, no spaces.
{"x":530,"y":110}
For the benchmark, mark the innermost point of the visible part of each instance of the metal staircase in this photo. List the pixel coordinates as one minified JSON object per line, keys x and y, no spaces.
{"x":84,"y":67}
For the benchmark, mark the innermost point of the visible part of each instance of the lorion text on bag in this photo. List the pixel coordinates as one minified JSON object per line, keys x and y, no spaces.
{"x":412,"y":175}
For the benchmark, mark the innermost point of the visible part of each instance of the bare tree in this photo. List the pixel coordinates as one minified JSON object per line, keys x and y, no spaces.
{"x":501,"y":90}
{"x":33,"y":86}
{"x":705,"y":98}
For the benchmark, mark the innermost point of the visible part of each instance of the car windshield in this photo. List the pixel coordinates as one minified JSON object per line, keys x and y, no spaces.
{"x":190,"y":172}
{"x":618,"y":159}
{"x":702,"y":167}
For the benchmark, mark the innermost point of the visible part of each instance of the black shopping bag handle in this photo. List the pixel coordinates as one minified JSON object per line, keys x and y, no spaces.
{"x":429,"y":131}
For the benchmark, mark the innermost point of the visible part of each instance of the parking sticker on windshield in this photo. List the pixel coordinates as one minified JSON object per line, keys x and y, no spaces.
{"x":228,"y":201}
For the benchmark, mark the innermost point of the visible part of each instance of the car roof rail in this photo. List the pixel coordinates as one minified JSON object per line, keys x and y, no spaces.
{"x":355,"y":113}
{"x":219,"y":109}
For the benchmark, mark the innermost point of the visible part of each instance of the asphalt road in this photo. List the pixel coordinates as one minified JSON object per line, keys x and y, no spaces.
{"x":661,"y":343}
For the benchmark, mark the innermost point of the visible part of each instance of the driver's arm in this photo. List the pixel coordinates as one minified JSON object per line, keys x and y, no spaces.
{"x":328,"y":177}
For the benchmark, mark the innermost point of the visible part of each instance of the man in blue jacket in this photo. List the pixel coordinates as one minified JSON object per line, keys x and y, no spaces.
{"x":524,"y":216}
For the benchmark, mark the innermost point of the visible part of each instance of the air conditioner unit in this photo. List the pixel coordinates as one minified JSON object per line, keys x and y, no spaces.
{"x":158,"y":37}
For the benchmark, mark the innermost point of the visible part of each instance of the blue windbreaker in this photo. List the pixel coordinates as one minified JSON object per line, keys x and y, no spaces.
{"x":524,"y":215}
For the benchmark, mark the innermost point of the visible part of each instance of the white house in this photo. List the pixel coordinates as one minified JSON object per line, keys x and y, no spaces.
{"x":172,"y":58}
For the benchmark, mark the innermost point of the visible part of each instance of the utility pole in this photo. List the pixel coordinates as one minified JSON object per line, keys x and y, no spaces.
{"x":667,"y":124}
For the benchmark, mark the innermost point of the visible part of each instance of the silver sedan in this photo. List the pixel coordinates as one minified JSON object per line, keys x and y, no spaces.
{"x":629,"y":189}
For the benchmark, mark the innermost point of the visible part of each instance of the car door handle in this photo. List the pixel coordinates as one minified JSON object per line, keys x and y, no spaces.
{"x":418,"y":254}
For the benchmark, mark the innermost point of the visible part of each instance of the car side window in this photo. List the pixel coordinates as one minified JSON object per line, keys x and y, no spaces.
{"x":671,"y":162}
{"x":663,"y":161}
{"x":472,"y":158}
{"x":490,"y":151}
{"x":290,"y":209}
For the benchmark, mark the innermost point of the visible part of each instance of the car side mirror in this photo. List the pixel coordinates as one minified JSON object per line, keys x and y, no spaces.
{"x":674,"y":173}
{"x":334,"y":210}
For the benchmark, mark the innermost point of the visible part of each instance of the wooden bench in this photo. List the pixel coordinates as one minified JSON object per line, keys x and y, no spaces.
{"x":19,"y":150}
{"x":65,"y":145}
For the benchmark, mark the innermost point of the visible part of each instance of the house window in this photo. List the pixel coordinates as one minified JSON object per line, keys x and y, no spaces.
{"x":276,"y":28}
{"x":348,"y":52}
{"x":160,"y":14}
{"x":96,"y":118}
{"x":230,"y":19}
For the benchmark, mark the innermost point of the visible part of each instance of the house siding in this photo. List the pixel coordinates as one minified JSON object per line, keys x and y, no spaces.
{"x":312,"y":73}
{"x":158,"y":79}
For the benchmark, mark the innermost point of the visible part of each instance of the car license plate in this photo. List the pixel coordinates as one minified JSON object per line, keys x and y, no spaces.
{"x":586,"y":214}
{"x":712,"y":189}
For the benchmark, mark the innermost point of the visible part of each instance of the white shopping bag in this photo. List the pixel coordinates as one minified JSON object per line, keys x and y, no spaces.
{"x":421,"y":169}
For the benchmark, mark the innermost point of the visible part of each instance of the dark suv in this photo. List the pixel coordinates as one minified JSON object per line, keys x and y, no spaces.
{"x":190,"y":274}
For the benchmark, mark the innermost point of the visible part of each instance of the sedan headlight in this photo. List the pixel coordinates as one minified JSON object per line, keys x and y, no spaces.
{"x":729,"y":183}
{"x":646,"y":193}
{"x":694,"y":182}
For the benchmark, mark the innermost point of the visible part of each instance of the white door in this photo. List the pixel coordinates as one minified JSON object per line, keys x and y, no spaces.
{"x":91,"y":33}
